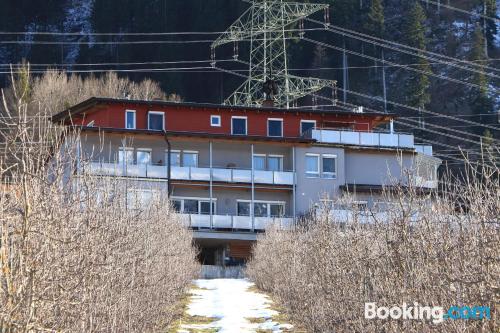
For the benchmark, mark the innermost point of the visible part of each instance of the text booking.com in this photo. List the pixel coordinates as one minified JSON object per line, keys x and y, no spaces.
{"x":436,"y":314}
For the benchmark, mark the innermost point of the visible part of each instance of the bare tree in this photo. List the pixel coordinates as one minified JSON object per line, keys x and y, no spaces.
{"x":77,"y":253}
{"x":440,"y":249}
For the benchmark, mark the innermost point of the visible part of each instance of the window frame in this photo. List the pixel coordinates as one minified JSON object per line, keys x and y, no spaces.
{"x":149,"y":150}
{"x":126,"y":118}
{"x":246,"y":124}
{"x":282,"y":127}
{"x":162,"y":123}
{"x":265,"y":161}
{"x":199,"y":200}
{"x":302,"y":121}
{"x":173,"y":151}
{"x":215,"y":117}
{"x":268,"y":204}
{"x":310,"y":174}
{"x":281,"y":158}
{"x":126,"y":149}
{"x":332,"y":174}
{"x":184,"y":152}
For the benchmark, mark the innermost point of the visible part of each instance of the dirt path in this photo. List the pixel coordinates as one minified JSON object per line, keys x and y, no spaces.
{"x":227,"y":305}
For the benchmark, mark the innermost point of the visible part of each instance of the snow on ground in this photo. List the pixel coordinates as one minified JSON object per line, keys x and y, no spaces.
{"x":230,"y":303}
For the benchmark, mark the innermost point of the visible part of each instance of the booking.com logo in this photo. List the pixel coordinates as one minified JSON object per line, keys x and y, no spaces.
{"x":416,"y":311}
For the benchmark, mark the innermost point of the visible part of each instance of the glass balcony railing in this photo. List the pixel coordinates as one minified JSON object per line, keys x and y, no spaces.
{"x":229,"y":175}
{"x":377,"y":139}
{"x":233,"y":222}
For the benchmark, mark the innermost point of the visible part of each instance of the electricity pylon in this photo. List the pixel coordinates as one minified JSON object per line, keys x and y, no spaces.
{"x":265,"y":26}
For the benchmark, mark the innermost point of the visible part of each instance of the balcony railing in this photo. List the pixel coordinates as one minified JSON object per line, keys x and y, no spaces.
{"x":233,"y":222}
{"x":191,"y":173}
{"x":361,"y":138}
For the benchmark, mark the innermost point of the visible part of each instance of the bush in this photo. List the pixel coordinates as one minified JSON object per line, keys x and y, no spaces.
{"x":73,"y":256}
{"x":437,"y":251}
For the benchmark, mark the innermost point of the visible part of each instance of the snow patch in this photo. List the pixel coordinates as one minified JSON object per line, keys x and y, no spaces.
{"x":78,"y":15}
{"x":231,"y":303}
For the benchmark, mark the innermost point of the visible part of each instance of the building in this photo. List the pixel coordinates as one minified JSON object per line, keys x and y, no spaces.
{"x":234,"y":170}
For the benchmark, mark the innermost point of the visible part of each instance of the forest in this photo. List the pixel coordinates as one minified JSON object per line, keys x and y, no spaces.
{"x":443,"y":102}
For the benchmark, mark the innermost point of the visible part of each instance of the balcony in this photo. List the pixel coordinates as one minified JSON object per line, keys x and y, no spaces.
{"x":233,"y":222}
{"x":371,"y":139}
{"x":191,"y":173}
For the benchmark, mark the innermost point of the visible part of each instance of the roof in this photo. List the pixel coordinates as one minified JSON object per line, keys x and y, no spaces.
{"x":93,"y":101}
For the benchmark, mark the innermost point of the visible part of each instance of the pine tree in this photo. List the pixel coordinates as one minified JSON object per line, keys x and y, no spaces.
{"x":480,"y":102}
{"x":490,"y":26}
{"x":418,"y":83}
{"x":374,"y":24}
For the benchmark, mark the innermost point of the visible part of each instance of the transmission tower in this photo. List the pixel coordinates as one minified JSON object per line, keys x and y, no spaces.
{"x":265,"y":26}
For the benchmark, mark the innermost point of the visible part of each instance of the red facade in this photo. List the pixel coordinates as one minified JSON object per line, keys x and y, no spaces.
{"x":192,"y":118}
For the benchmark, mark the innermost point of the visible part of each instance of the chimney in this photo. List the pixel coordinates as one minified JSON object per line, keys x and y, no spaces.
{"x":268,"y":103}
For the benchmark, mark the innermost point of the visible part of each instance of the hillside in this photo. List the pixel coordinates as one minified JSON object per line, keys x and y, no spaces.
{"x":450,"y":90}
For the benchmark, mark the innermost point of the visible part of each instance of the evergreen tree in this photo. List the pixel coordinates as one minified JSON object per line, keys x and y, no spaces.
{"x":490,"y":26}
{"x":418,"y":83}
{"x":374,"y":24}
{"x":479,"y":100}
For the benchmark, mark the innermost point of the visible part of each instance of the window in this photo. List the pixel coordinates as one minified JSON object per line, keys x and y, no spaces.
{"x":261,"y":208}
{"x":277,"y":210}
{"x":190,"y":206}
{"x":205,"y":207}
{"x":312,"y":165}
{"x":329,"y":166}
{"x":130,"y":119}
{"x":156,"y":121}
{"x":138,"y":199}
{"x":306,"y":125}
{"x":243,"y":208}
{"x":190,"y":159}
{"x":175,"y":158}
{"x":177,"y":205}
{"x":259,"y":162}
{"x":143,"y":156}
{"x":194,"y":205}
{"x":239,"y":125}
{"x":275,"y":127}
{"x":126,"y":155}
{"x":215,"y":121}
{"x":275,"y":163}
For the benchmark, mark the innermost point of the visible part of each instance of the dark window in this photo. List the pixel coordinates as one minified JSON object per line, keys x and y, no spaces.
{"x":191,"y":206}
{"x":275,"y":127}
{"x":277,"y":210}
{"x":155,"y":121}
{"x":260,"y":209}
{"x":239,"y":126}
{"x":306,"y":126}
{"x":205,"y":207}
{"x":243,"y":209}
{"x":329,"y":164}
{"x":177,"y":205}
{"x":130,"y":120}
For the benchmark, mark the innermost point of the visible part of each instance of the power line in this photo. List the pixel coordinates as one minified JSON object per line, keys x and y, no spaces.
{"x":55,"y":33}
{"x":443,"y":77}
{"x":438,"y":4}
{"x":403,"y":46}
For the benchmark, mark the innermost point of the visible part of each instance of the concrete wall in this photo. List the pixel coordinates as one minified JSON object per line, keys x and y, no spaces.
{"x":224,"y":154}
{"x":311,"y":190}
{"x":376,"y":167}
